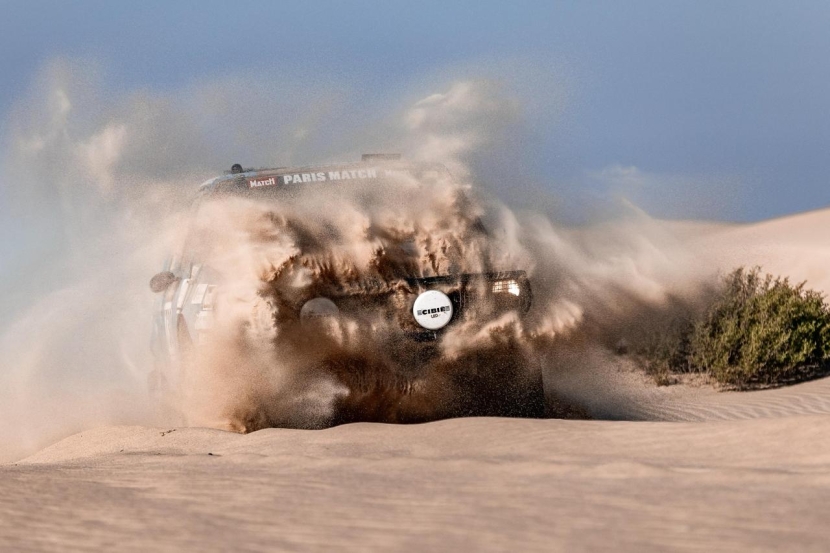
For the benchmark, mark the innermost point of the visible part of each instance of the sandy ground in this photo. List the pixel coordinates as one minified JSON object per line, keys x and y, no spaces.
{"x":476,"y":484}
{"x":688,"y":470}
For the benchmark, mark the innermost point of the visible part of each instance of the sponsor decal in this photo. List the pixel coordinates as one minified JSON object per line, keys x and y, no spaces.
{"x":356,"y":174}
{"x":434,"y":312}
{"x":298,"y":178}
{"x":258,"y":183}
{"x":319,"y":176}
{"x":432,"y":309}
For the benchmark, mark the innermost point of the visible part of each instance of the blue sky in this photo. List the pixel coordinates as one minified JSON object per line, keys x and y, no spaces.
{"x":690,"y":109}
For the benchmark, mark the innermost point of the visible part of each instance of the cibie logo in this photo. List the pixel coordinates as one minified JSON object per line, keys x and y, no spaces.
{"x":256,"y":183}
{"x":432,"y":309}
{"x":434,"y":312}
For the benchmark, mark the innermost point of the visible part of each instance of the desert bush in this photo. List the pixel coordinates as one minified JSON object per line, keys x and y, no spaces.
{"x":757,"y":331}
{"x":666,"y":351}
{"x":761,"y":331}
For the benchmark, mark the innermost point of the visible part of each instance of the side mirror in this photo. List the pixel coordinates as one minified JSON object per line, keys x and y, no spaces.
{"x":162,"y":281}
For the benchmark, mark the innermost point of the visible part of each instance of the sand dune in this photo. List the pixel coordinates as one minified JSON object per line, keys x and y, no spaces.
{"x":797,"y":246}
{"x":482,"y":484}
{"x":709,"y":482}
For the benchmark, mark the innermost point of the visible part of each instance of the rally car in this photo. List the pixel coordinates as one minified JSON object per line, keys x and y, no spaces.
{"x":418,"y":310}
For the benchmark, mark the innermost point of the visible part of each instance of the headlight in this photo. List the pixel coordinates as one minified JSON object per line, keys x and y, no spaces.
{"x":317,"y":308}
{"x":510,"y":286}
{"x":432,"y":309}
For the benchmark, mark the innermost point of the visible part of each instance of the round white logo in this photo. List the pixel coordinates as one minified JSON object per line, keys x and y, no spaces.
{"x":432,"y":309}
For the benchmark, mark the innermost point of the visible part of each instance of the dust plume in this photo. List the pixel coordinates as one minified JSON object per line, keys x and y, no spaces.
{"x":103,"y":182}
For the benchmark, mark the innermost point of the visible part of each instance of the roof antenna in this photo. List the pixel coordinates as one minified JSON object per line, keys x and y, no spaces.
{"x":236,"y":168}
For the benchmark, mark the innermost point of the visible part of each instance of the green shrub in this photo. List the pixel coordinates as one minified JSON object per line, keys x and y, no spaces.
{"x":757,"y":331}
{"x":666,"y":352}
{"x":761,"y":330}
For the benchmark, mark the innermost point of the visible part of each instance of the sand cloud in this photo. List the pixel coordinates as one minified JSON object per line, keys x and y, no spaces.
{"x":104,"y":180}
